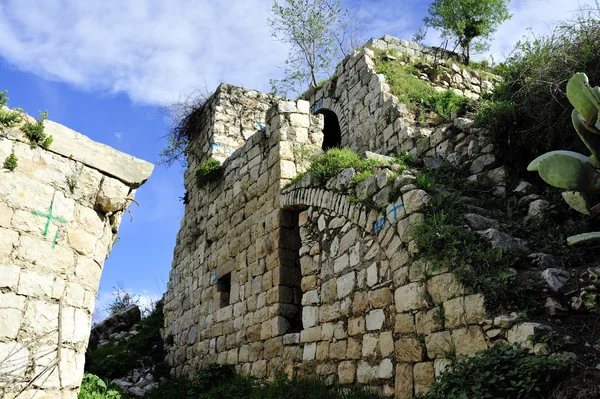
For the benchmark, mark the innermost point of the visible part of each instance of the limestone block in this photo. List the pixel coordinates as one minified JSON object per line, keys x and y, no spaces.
{"x":444,"y":286}
{"x":71,"y":144}
{"x":309,"y":316}
{"x":415,"y":200}
{"x":423,"y":377}
{"x":41,"y":252}
{"x":112,"y":196}
{"x":346,"y":372}
{"x":464,"y":310}
{"x":469,"y":341}
{"x":375,"y":320}
{"x":521,"y":333}
{"x":380,"y":298}
{"x":356,"y":325}
{"x":429,"y":321}
{"x":9,"y":276}
{"x":329,"y":312}
{"x":365,"y":373}
{"x":8,"y":239}
{"x":82,"y":242}
{"x":385,"y":369}
{"x":441,"y":365}
{"x":408,"y":350}
{"x":410,"y":297}
{"x":370,"y":343}
{"x":345,"y":284}
{"x":404,"y":323}
{"x":310,"y":351}
{"x":404,"y":381}
{"x":337,"y":350}
{"x":439,"y":344}
{"x":35,"y":284}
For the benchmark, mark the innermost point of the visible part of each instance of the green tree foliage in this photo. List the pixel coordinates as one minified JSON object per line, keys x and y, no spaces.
{"x":529,"y":113}
{"x":469,"y":23}
{"x":317,"y":31}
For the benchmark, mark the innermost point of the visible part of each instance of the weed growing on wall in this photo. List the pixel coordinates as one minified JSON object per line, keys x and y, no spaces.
{"x":332,"y":162}
{"x":8,"y":117}
{"x":11,"y":162}
{"x":502,"y":371}
{"x":209,"y":172}
{"x":34,"y":131}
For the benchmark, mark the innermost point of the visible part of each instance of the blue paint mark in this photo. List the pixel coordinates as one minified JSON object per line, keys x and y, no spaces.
{"x":213,"y":275}
{"x":394,"y":210}
{"x":215,"y":145}
{"x":316,"y":106}
{"x":379,"y":225}
{"x":259,"y":126}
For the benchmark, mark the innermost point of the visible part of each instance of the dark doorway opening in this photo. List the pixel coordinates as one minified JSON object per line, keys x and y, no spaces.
{"x":332,"y":134}
{"x":290,"y":276}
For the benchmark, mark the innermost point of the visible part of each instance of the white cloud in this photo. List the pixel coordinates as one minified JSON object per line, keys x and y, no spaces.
{"x":152,"y":50}
{"x":156,"y":50}
{"x":118,"y":136}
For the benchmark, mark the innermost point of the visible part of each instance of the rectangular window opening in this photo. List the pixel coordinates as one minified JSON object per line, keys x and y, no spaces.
{"x":224,"y":290}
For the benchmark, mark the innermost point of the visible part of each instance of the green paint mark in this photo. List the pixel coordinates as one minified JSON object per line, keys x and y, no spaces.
{"x":50,"y":218}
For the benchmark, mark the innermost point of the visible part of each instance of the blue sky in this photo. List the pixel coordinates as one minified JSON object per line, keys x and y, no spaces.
{"x":107,"y":69}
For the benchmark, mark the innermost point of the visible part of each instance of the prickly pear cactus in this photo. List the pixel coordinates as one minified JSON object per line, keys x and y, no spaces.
{"x":570,"y":170}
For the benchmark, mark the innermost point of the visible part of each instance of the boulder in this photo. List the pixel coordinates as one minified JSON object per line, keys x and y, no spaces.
{"x":115,"y":324}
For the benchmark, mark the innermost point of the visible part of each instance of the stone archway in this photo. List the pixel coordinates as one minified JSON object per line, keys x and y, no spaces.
{"x":332,"y":133}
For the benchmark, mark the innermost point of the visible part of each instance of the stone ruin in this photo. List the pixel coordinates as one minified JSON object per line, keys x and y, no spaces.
{"x":60,"y":211}
{"x":302,"y":279}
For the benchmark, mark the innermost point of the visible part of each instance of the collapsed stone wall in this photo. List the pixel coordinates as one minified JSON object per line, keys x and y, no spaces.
{"x":60,"y":211}
{"x":370,"y":117}
{"x":235,"y":284}
{"x":228,"y":118}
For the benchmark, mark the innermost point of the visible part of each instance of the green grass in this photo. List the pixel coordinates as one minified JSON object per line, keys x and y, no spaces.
{"x":419,"y":95}
{"x":332,"y":162}
{"x":221,"y":382}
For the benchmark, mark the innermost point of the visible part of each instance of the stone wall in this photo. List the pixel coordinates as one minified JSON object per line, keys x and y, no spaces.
{"x":370,"y":117}
{"x":60,"y":210}
{"x":304,"y":280}
{"x":231,"y":115}
{"x":234,"y":289}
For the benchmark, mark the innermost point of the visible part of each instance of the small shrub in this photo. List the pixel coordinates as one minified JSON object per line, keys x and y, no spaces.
{"x":443,"y":239}
{"x":11,"y":162}
{"x":34,"y":131}
{"x":502,"y":371}
{"x":209,"y":172}
{"x":8,"y":118}
{"x":92,"y":387}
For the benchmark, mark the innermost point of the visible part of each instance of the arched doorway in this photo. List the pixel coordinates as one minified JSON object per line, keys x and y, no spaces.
{"x":332,"y":134}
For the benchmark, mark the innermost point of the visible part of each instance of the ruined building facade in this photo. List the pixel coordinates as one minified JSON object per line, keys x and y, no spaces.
{"x":302,"y":279}
{"x":60,"y":211}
